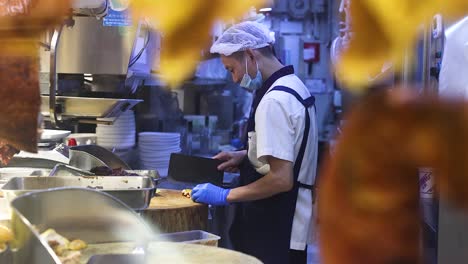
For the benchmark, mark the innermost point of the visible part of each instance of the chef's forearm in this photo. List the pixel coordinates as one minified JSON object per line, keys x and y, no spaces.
{"x":278,"y":180}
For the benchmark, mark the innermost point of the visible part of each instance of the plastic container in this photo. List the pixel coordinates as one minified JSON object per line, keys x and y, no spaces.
{"x":191,"y":237}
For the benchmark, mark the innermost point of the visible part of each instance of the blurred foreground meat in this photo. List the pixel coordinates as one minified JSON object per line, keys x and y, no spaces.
{"x":369,"y":194}
{"x":6,"y":153}
{"x":176,"y":20}
{"x":376,"y":40}
{"x":19,"y":90}
{"x":29,"y":18}
{"x":21,"y":23}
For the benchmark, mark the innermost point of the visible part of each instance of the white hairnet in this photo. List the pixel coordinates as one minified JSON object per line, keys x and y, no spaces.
{"x":242,"y":36}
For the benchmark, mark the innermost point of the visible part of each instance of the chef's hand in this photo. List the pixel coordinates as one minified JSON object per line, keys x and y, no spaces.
{"x":210,"y":194}
{"x":231,"y":160}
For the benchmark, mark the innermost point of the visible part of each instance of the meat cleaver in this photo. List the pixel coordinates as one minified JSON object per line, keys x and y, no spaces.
{"x":195,"y":169}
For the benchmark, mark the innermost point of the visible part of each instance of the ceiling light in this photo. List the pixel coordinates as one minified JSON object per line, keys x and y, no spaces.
{"x":265,"y":9}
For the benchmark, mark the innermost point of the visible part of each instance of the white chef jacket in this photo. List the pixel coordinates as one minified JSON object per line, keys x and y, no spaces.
{"x":453,"y":82}
{"x":279,"y":129}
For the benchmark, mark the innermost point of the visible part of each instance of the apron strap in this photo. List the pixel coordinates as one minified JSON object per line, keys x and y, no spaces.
{"x":307,"y":103}
{"x":305,"y":186}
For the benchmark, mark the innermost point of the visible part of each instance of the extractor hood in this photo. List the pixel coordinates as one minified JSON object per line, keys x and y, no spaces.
{"x":89,"y":47}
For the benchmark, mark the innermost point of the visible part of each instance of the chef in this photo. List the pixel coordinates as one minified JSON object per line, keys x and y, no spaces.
{"x":274,"y":217}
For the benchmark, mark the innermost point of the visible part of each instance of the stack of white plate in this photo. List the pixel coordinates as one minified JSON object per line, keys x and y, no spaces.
{"x":119,"y":135}
{"x":156,"y":148}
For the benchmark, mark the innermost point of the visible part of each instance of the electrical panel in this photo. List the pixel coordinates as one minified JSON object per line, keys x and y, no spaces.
{"x":299,"y":8}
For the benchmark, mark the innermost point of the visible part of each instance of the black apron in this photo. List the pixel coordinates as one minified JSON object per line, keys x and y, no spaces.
{"x":262,"y":228}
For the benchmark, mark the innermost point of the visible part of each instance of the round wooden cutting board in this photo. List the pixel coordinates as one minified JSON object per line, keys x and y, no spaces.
{"x":172,"y":212}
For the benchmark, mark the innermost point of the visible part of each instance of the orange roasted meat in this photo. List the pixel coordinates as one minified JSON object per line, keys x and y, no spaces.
{"x":368,"y":196}
{"x":21,"y":23}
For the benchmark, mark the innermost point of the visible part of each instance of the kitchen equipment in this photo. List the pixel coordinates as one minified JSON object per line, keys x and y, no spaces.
{"x":81,"y":46}
{"x":50,"y":138}
{"x":119,"y":135}
{"x":30,"y":162}
{"x":10,"y":172}
{"x":135,"y":191}
{"x":95,"y":217}
{"x":76,"y":50}
{"x":172,"y":212}
{"x":155,"y":149}
{"x":195,"y":169}
{"x":88,"y":107}
{"x":107,"y":225}
{"x":198,"y":122}
{"x":221,"y":103}
{"x":87,"y":157}
{"x":193,"y":237}
{"x":66,"y":170}
{"x":83,"y":138}
{"x":54,"y":134}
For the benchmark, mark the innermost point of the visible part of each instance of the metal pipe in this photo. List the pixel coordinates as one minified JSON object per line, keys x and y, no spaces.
{"x":426,"y":59}
{"x":53,"y":75}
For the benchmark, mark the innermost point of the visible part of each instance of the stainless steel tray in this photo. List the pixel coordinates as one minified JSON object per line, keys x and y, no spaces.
{"x":11,"y":172}
{"x":135,"y":191}
{"x":89,"y":107}
{"x":40,"y":163}
{"x":95,"y":217}
{"x":87,"y":157}
{"x":66,"y":170}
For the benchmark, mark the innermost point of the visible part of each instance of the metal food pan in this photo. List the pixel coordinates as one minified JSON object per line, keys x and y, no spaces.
{"x":106,"y":224}
{"x":192,"y":237}
{"x":87,"y":157}
{"x":11,"y":172}
{"x":135,"y":191}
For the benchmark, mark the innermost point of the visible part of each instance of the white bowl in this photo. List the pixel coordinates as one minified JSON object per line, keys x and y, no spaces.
{"x":150,"y":147}
{"x":116,"y":146}
{"x":159,"y":141}
{"x":158,"y":135}
{"x":117,"y":127}
{"x":116,"y":140}
{"x":116,"y":137}
{"x":105,"y":131}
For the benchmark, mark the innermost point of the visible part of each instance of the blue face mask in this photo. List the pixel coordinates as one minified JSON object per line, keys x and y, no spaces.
{"x":251,"y":84}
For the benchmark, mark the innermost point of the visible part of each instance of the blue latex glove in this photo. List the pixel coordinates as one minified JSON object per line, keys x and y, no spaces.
{"x":210,"y":194}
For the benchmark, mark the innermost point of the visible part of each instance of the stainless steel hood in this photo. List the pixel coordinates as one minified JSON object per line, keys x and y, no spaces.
{"x":84,"y":46}
{"x":90,"y":47}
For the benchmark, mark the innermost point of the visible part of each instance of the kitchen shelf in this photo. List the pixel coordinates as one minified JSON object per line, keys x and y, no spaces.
{"x":86,"y":107}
